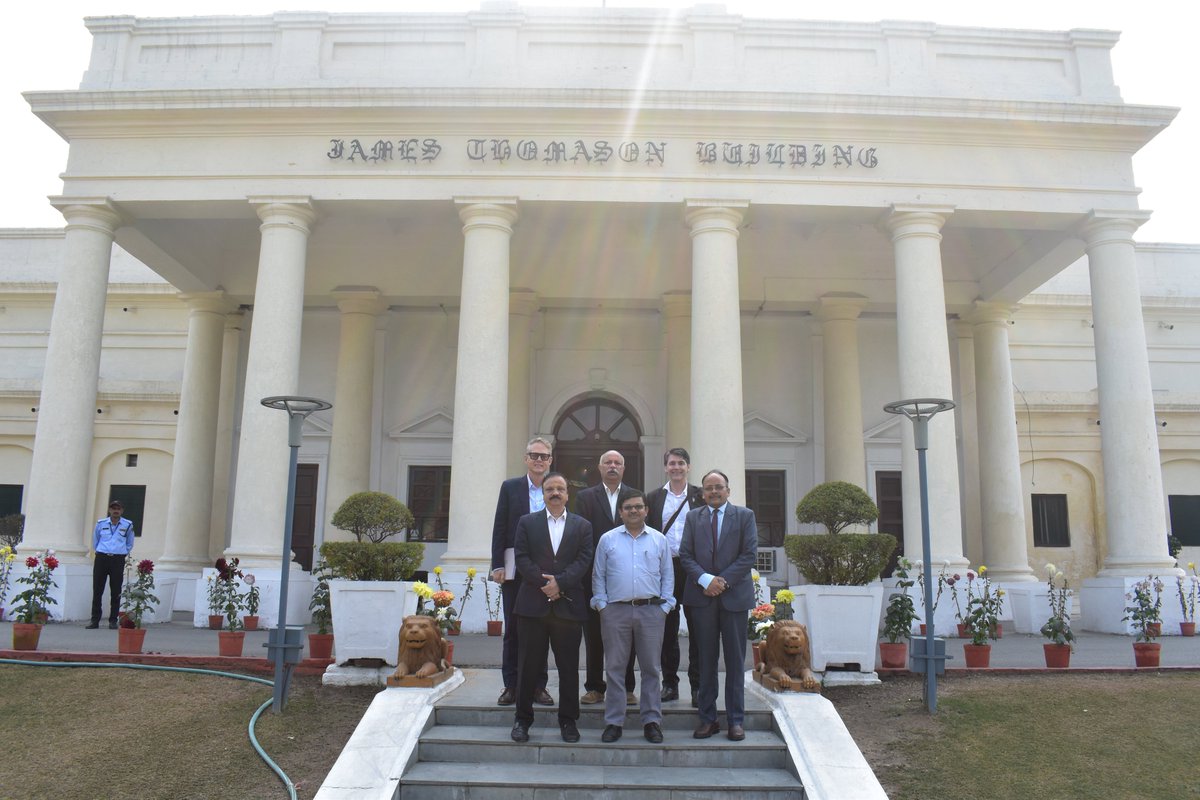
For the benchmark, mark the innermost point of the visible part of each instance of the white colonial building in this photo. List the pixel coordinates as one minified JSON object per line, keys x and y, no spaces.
{"x":612,"y":228}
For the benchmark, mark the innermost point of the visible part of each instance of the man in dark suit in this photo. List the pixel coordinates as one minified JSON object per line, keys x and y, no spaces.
{"x":553,"y":554}
{"x":669,"y":506}
{"x":518,"y":497}
{"x":600,"y":505}
{"x":720,"y":544}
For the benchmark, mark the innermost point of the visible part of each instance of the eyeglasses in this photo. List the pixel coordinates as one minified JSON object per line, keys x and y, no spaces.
{"x":633,"y":508}
{"x":711,"y":489}
{"x":538,"y":456}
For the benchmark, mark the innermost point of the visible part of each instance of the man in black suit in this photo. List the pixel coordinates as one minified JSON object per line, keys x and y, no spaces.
{"x":720,"y":544}
{"x":518,"y":497}
{"x":553,"y":554}
{"x":669,"y":506}
{"x":600,"y":505}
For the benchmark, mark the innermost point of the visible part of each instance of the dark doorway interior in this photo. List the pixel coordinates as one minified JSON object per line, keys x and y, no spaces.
{"x":890,"y":499}
{"x":134,"y":500}
{"x":304,"y":520}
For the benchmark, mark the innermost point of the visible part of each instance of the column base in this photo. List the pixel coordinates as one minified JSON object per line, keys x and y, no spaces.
{"x":459,"y":560}
{"x":300,"y":587}
{"x":1001,"y":573}
{"x":1102,"y":605}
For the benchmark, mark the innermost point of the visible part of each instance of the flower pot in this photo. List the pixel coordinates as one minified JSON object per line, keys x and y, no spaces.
{"x":320,"y":646}
{"x":1154,"y":629}
{"x":1146,"y":654}
{"x":250,"y":622}
{"x":495,"y":627}
{"x":129,"y":640}
{"x":977,"y":656}
{"x":455,"y":628}
{"x":229,"y":643}
{"x":922,"y":628}
{"x":756,"y":648}
{"x":1187,"y":629}
{"x":997,"y":631}
{"x":449,"y":652}
{"x":26,"y":635}
{"x":214,"y":621}
{"x":893,"y":655}
{"x":1058,"y":656}
{"x":963,"y":631}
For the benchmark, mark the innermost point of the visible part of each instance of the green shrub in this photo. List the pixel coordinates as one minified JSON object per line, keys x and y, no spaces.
{"x":847,"y":559}
{"x":372,"y":516}
{"x":836,"y":505}
{"x":373,"y":561}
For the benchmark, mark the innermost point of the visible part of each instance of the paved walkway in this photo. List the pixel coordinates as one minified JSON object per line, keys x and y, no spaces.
{"x":1013,"y":651}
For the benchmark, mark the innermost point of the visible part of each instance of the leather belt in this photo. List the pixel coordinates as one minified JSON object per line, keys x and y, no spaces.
{"x":645,"y":601}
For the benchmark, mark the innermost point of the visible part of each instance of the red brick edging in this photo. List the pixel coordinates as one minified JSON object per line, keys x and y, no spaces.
{"x":257,"y":666}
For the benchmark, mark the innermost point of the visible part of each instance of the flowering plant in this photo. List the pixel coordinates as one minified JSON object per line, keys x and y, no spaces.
{"x":232,"y":601}
{"x":1058,"y":628}
{"x":941,"y":583}
{"x":1187,"y":597}
{"x":1145,"y":607}
{"x":758,"y":591}
{"x":762,"y":619}
{"x":34,"y":602}
{"x":983,"y":609}
{"x":493,"y":608}
{"x":440,"y":608}
{"x":137,"y":595}
{"x":319,"y":605}
{"x":901,"y":613}
{"x":7,"y":557}
{"x":783,"y":604}
{"x":251,"y":596}
{"x":950,"y":583}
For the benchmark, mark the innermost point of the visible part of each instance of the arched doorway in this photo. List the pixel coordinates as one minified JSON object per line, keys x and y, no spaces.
{"x":589,"y":428}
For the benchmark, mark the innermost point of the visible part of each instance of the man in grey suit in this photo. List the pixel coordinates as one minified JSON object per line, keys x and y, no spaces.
{"x":718,"y":550}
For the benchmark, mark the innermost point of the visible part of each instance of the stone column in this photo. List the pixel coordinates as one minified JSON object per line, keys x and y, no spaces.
{"x":964,"y":341}
{"x":354,"y":393}
{"x":924,"y":349}
{"x":718,"y":428}
{"x":272,"y":368}
{"x":677,"y":310}
{"x":189,"y":510}
{"x":60,"y":476}
{"x":478,"y":450}
{"x":1133,"y":494}
{"x":1001,"y":499}
{"x":231,"y":351}
{"x":522,"y":308}
{"x":845,"y":458}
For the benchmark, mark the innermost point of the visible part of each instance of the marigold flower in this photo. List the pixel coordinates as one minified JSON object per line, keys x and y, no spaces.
{"x":443,"y":598}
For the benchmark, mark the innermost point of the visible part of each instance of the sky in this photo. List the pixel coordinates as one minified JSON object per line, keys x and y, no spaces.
{"x":45,"y":46}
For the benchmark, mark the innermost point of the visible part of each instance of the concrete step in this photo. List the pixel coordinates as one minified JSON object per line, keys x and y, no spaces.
{"x":683,"y":718}
{"x":492,"y":781}
{"x":449,"y":743}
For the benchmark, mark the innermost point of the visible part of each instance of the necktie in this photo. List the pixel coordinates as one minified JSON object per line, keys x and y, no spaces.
{"x":713,"y":516}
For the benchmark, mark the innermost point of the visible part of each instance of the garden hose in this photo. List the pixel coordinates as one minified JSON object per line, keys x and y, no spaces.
{"x":287,"y":782}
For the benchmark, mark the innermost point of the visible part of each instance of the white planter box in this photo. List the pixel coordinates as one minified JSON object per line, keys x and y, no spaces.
{"x":842,"y":622}
{"x":367,"y":616}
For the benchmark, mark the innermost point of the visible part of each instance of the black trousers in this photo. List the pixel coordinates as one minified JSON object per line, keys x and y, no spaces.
{"x":670,"y":645}
{"x":538,"y":636}
{"x":107,"y":567}
{"x":511,"y":646}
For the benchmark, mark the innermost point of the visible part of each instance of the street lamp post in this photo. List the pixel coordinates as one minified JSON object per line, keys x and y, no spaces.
{"x":283,"y":646}
{"x":920,"y":411}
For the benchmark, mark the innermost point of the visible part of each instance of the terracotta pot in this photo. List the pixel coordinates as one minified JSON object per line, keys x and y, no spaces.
{"x":230,"y":643}
{"x":998,"y":631}
{"x":1154,"y":629}
{"x":756,"y":648}
{"x":1146,"y":654}
{"x":214,"y":621}
{"x":449,"y":652}
{"x":320,"y":646}
{"x":250,"y":622}
{"x":893,"y":655}
{"x":922,"y":628}
{"x":963,"y":631}
{"x":978,"y":656}
{"x":129,"y":640}
{"x":455,"y":628}
{"x":1058,"y":656}
{"x":495,"y":627}
{"x":26,"y":635}
{"x":1187,"y":629}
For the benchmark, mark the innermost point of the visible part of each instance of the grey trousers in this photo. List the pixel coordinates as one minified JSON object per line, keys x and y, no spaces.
{"x":624,"y":626}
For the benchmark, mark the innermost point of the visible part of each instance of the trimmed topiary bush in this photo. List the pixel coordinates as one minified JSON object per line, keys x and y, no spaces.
{"x":372,"y":516}
{"x":373,"y":561}
{"x":835,"y":558}
{"x":837,"y":505}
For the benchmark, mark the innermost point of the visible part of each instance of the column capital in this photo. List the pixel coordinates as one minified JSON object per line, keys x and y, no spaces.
{"x":523,"y":302}
{"x":916,"y":219}
{"x":1104,"y":226}
{"x":97,"y":213}
{"x":704,"y":215}
{"x":291,"y":210}
{"x":359,"y":300}
{"x":483,"y":212}
{"x":215,"y":302}
{"x":985,"y":313}
{"x":676,"y":305}
{"x":839,"y":306}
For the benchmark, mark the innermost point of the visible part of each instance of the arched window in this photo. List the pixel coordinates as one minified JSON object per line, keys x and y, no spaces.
{"x":589,"y":428}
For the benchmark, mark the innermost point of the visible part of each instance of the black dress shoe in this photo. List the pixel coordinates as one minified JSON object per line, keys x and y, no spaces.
{"x":520,"y":732}
{"x":611,"y":734}
{"x":653,"y":733}
{"x":570,"y":733}
{"x":113,"y":625}
{"x":543,"y":698}
{"x":670,"y":693}
{"x":91,"y":626}
{"x":507,"y":697}
{"x":706,"y":729}
{"x":695,"y":699}
{"x":736,"y":733}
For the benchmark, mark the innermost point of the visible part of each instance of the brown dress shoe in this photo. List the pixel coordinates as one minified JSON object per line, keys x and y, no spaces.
{"x":592,"y":698}
{"x":507,"y":697}
{"x":736,"y":733}
{"x":706,"y":729}
{"x":543,"y":698}
{"x":631,"y":699}
{"x":653,"y":733}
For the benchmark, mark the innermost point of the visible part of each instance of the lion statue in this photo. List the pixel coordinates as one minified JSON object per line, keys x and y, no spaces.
{"x":787,"y":657}
{"x":422,"y":651}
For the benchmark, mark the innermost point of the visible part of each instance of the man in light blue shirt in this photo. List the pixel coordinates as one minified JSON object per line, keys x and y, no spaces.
{"x":633,"y":588}
{"x":112,"y":541}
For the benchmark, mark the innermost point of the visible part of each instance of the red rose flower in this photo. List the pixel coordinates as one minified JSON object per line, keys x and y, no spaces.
{"x":31,"y":562}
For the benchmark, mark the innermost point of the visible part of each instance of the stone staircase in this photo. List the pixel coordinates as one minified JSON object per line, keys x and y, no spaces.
{"x":465,"y":752}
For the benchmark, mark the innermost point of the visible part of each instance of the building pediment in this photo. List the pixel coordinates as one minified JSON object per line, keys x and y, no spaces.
{"x":435,"y":424}
{"x":759,"y":430}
